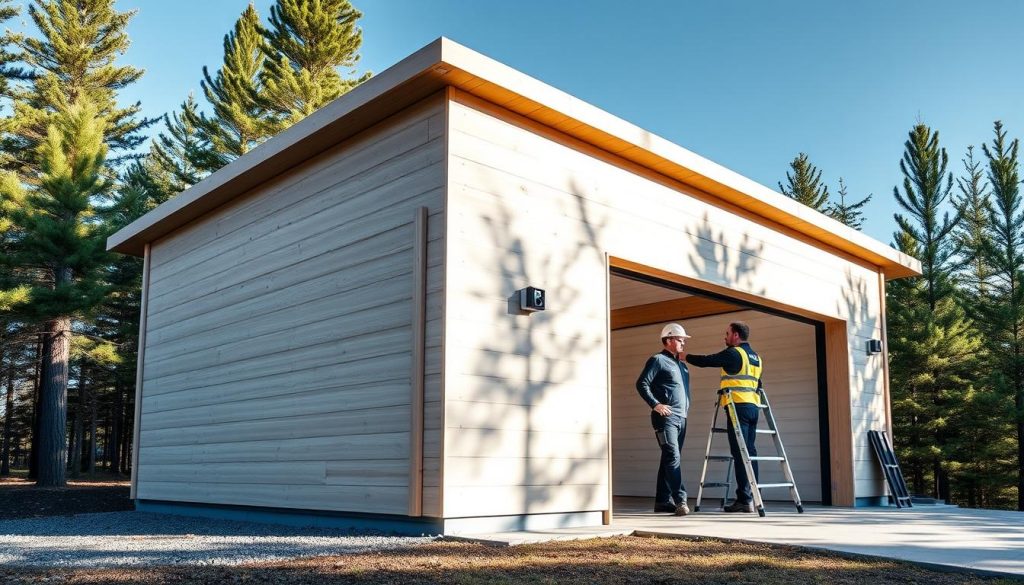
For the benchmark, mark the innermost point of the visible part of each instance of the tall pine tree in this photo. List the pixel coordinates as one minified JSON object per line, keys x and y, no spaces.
{"x":73,"y":59}
{"x":972,"y":233}
{"x":804,"y":184}
{"x":982,"y":429}
{"x":925,"y":316}
{"x":181,"y":156}
{"x":847,"y":212}
{"x":239,"y":121}
{"x":62,"y":239}
{"x":307,"y":41}
{"x":69,"y":68}
{"x":1006,"y":256}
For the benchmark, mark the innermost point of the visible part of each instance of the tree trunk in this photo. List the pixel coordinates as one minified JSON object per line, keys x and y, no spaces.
{"x":1019,"y":401}
{"x":115,"y":441}
{"x":53,"y":405}
{"x":42,"y":348}
{"x":92,"y":433}
{"x":127,"y":424}
{"x":77,"y":433}
{"x":106,"y":442}
{"x":5,"y":452}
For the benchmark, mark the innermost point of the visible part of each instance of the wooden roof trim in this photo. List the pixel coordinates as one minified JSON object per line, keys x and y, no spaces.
{"x":401,"y":85}
{"x":599,"y":128}
{"x":443,"y":63}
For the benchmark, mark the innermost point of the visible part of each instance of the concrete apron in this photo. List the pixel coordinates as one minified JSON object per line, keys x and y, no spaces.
{"x":941,"y":537}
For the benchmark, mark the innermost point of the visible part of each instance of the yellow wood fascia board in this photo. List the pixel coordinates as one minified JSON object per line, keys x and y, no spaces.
{"x":447,"y":63}
{"x":586,"y":122}
{"x":211,"y":190}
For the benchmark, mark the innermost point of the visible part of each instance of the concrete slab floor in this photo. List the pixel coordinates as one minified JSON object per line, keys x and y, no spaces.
{"x":945,"y":537}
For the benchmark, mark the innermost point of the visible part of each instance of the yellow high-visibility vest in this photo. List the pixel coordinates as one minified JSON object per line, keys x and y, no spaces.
{"x":742,"y":384}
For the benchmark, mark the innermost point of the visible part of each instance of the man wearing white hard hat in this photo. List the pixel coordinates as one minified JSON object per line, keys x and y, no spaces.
{"x":664,"y":384}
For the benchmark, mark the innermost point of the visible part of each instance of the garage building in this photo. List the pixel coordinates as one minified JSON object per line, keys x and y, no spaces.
{"x":332,"y":327}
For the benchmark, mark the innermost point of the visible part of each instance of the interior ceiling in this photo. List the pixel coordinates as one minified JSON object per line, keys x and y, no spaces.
{"x":627,"y":292}
{"x":635,"y":303}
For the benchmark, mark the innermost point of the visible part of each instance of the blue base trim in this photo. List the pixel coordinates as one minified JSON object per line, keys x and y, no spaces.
{"x":872,"y":502}
{"x":402,"y":525}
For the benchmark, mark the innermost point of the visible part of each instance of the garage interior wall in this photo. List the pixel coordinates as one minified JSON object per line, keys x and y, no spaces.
{"x":278,"y":357}
{"x":790,"y":376}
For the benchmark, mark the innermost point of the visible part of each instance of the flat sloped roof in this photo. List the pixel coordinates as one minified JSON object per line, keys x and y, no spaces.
{"x":446,"y":63}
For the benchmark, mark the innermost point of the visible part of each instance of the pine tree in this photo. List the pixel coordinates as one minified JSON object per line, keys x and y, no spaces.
{"x":73,"y":59}
{"x":906,"y":313}
{"x":926,"y":187}
{"x":980,"y":428}
{"x":8,"y":59}
{"x":929,"y":313}
{"x":972,"y":233}
{"x":62,"y":240}
{"x":238,"y":122}
{"x":1006,"y":256}
{"x":847,"y":213}
{"x":805,"y":184}
{"x":180,"y":157}
{"x":307,"y":41}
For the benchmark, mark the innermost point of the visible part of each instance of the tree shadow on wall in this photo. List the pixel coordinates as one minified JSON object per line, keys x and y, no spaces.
{"x":533,"y":395}
{"x":862,"y":324}
{"x":725,"y":259}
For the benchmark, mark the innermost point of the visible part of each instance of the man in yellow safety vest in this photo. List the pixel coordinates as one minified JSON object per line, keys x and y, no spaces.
{"x":741,"y":376}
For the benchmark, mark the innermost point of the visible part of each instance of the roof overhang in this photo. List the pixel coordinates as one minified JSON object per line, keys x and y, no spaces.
{"x":445,"y":63}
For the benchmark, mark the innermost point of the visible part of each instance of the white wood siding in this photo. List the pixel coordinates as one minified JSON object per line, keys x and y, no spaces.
{"x":790,"y":376}
{"x":530,"y":206}
{"x":278,"y":349}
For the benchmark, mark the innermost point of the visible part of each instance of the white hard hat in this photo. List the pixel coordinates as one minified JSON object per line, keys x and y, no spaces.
{"x":674,"y":330}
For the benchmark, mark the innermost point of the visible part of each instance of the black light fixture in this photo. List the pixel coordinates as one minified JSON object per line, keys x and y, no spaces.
{"x":532,"y":299}
{"x":874,"y":346}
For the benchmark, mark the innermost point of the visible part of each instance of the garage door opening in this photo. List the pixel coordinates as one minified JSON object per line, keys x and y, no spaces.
{"x":793,"y":350}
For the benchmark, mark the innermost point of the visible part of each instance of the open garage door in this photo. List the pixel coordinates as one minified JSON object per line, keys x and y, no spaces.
{"x":791,"y":346}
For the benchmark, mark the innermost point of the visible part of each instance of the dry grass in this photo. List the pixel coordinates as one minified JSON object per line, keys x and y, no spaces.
{"x":628,"y":560}
{"x":19,"y":477}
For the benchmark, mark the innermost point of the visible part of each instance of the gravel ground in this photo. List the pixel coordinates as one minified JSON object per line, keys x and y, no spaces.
{"x":137,"y":539}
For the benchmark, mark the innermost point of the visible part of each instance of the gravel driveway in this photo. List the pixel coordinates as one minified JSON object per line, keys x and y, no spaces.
{"x":123,"y":539}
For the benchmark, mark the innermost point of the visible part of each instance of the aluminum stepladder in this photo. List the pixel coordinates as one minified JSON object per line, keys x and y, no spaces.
{"x":755,"y":487}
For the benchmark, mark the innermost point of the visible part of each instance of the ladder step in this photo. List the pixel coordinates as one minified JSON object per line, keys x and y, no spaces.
{"x":745,"y":457}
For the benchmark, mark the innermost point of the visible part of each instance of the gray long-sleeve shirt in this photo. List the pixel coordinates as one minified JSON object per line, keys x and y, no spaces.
{"x":665,"y":380}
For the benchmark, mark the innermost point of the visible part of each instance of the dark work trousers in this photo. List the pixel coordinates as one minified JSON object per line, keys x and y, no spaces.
{"x":670,"y":477}
{"x":747,"y":414}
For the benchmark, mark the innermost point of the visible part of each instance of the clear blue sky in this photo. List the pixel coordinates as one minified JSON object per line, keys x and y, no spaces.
{"x":747,"y":84}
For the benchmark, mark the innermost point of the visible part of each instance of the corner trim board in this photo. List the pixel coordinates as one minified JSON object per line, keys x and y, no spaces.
{"x":141,"y":360}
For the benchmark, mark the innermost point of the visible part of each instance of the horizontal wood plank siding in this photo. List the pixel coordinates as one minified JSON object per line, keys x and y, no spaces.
{"x":279,"y":352}
{"x":531,"y":206}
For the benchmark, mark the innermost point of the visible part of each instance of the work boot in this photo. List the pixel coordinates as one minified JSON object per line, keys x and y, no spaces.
{"x":682,"y":509}
{"x":740,"y":507}
{"x":664,"y":507}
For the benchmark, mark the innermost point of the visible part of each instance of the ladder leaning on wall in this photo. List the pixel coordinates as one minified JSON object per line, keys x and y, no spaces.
{"x":755,"y":488}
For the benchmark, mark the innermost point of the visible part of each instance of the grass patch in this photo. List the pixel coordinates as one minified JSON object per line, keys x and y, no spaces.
{"x":626,"y":560}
